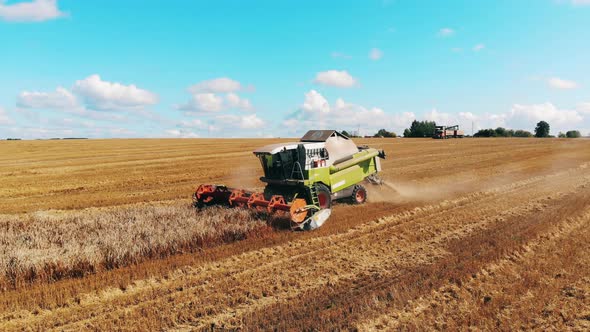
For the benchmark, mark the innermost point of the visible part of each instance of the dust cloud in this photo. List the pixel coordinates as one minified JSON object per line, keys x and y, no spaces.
{"x":410,"y":191}
{"x":414,"y":191}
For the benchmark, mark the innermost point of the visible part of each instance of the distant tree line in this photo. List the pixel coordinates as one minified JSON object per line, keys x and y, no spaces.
{"x":542,"y":129}
{"x":385,"y":133}
{"x":428,"y":128}
{"x":570,"y":134}
{"x":502,"y":132}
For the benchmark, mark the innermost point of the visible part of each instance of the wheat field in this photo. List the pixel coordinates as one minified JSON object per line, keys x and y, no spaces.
{"x":485,"y":234}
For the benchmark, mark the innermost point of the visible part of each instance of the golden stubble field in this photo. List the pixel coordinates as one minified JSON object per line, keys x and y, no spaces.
{"x":480,"y":233}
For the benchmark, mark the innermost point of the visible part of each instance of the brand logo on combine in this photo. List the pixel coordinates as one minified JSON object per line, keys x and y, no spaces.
{"x":339,"y":184}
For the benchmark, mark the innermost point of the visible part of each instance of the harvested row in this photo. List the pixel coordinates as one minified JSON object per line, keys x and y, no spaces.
{"x":540,"y":281}
{"x":266,"y":281}
{"x":394,"y":284}
{"x":460,"y":208}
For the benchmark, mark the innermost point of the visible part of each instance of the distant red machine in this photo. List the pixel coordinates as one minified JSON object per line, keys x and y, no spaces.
{"x":442,"y":132}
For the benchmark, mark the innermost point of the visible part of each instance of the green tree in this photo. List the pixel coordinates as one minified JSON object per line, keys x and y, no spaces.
{"x":486,"y":133}
{"x":522,"y":133}
{"x":542,"y":129}
{"x":501,"y":132}
{"x":573,"y":134}
{"x":561,"y":135}
{"x":345,"y":133}
{"x":420,"y":129}
{"x":385,"y":133}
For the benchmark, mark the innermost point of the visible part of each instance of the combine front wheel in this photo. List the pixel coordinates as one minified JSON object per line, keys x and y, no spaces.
{"x":324,"y":196}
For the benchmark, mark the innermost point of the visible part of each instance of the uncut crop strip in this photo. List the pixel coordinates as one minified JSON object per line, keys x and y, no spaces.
{"x":182,"y":288}
{"x":45,"y":248}
{"x":66,"y":291}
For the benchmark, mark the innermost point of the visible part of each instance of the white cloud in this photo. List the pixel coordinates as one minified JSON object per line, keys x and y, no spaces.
{"x":211,"y":102}
{"x":96,"y":115}
{"x":490,"y":120}
{"x":205,"y":102}
{"x":467,"y":115}
{"x":584,"y":107}
{"x":519,"y":117}
{"x":181,"y":133}
{"x":440,"y":117}
{"x":105,"y":95}
{"x":60,"y":99}
{"x":89,"y":98}
{"x":235,"y":101}
{"x":316,"y":112}
{"x":217,"y":85}
{"x":478,"y":47}
{"x":173,"y":132}
{"x":558,"y":83}
{"x":580,"y":2}
{"x":375,"y":54}
{"x":32,"y":11}
{"x":207,"y":96}
{"x":529,"y":115}
{"x":446,"y":32}
{"x":194,"y":123}
{"x":251,"y":122}
{"x":315,"y":102}
{"x":337,"y":78}
{"x":243,"y":122}
{"x":350,"y":115}
{"x":4,"y":118}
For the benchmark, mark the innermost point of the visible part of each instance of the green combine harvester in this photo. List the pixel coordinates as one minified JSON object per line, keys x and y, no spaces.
{"x":304,"y":178}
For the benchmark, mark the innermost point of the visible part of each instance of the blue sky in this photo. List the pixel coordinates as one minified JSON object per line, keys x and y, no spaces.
{"x":277,"y":68}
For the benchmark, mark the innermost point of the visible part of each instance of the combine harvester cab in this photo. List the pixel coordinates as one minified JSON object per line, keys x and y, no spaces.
{"x":304,"y":178}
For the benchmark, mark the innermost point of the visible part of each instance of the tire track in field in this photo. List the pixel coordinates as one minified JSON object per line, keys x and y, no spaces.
{"x":439,"y":238}
{"x":466,"y":300}
{"x":373,"y":231}
{"x":377,"y":261}
{"x":371,"y":294}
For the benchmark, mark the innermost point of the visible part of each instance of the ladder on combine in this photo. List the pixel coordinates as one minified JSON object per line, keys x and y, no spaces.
{"x":297,"y":170}
{"x":313,"y":193}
